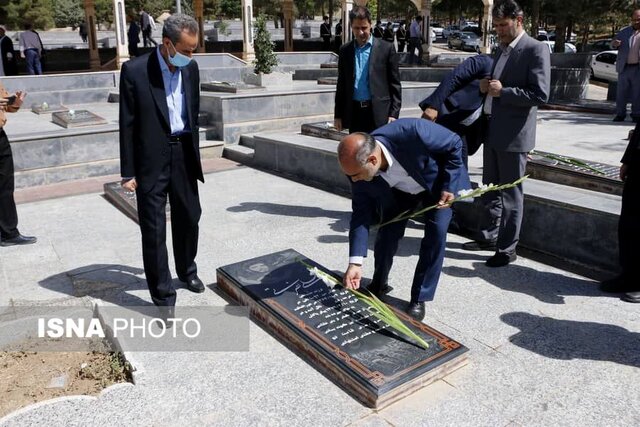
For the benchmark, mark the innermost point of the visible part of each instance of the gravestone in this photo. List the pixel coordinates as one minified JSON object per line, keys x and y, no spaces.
{"x":125,"y":201}
{"x":336,"y":332}
{"x":77,"y":118}
{"x":574,"y":172}
{"x":45,"y":108}
{"x":323,"y":130}
{"x":229,"y":87}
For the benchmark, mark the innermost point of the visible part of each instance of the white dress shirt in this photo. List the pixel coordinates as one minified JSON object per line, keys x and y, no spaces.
{"x":497,"y":71}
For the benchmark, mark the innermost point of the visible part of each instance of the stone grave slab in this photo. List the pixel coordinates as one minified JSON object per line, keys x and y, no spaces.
{"x":323,"y":130}
{"x":229,"y":87}
{"x":125,"y":201}
{"x":330,"y":81}
{"x":337,"y":333}
{"x":542,"y":165}
{"x":329,"y":65}
{"x":44,"y":108}
{"x":77,"y":118}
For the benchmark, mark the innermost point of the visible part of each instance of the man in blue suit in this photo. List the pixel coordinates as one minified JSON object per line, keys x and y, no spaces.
{"x":627,"y":41}
{"x":402,"y":166}
{"x":457,"y":102}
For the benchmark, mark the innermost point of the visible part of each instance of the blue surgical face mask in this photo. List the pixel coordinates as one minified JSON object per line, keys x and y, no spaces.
{"x":178,"y":60}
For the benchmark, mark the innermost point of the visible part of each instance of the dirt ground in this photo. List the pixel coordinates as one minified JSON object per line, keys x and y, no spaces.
{"x":27,"y":377}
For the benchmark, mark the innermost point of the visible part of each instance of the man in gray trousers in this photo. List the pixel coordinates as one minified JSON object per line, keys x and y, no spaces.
{"x":627,"y":42}
{"x":518,"y":83}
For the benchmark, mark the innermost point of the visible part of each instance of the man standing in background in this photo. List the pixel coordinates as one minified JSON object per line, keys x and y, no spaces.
{"x":368,"y":92}
{"x":8,"y":60}
{"x":415,"y":41}
{"x":31,"y":49}
{"x":325,"y":33}
{"x":627,"y":42}
{"x":147,"y":29}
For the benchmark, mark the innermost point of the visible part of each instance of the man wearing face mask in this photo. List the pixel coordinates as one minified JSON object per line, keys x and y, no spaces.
{"x":160,"y":155}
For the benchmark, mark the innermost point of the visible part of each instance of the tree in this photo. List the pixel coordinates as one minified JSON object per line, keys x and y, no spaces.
{"x":67,"y":13}
{"x":231,"y":8}
{"x":263,"y":46}
{"x":37,"y":12}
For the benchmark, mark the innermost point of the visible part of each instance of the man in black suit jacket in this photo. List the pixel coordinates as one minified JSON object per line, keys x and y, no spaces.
{"x":160,"y":156}
{"x":629,"y":224}
{"x":9,"y":64}
{"x":368,"y":92}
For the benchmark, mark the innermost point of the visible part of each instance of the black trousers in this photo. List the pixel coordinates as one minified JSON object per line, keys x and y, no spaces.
{"x":8,"y":213}
{"x":181,"y":186}
{"x":629,"y":228}
{"x":361,"y":118}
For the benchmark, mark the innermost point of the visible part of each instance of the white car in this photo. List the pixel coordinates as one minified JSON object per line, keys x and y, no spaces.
{"x":438,"y":30}
{"x":568,"y":47}
{"x":603,"y":65}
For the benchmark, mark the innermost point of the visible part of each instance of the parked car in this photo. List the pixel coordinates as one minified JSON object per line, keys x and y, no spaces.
{"x":437,"y":29}
{"x":464,"y":41}
{"x":568,"y":47}
{"x":600,"y":46}
{"x":552,"y":37}
{"x":603,"y":65}
{"x":448,"y":30}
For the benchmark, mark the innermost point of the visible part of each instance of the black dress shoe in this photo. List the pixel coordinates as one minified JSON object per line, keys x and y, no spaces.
{"x":195,"y":285}
{"x":500,"y":259}
{"x":18,"y":240}
{"x":632,"y":297}
{"x":480,"y":246}
{"x":619,"y":118}
{"x":416,"y":310}
{"x":615,"y":286}
{"x":380,"y":292}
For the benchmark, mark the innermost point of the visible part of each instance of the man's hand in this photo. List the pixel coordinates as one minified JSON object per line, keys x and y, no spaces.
{"x":129,"y":184}
{"x":616,"y":43}
{"x":20,"y":96}
{"x":391,"y":119}
{"x":352,"y":276}
{"x":624,"y":171}
{"x":337,"y":123}
{"x":430,"y":114}
{"x":484,"y":85}
{"x":22,"y":55}
{"x":494,"y":88}
{"x":445,"y":200}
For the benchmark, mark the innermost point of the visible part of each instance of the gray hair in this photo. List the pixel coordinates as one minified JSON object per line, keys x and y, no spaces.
{"x":176,"y":24}
{"x":506,"y":9}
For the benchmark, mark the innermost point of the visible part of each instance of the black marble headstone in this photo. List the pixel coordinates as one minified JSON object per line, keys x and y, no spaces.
{"x":77,"y":118}
{"x":336,"y":332}
{"x":125,"y":201}
{"x":229,"y":87}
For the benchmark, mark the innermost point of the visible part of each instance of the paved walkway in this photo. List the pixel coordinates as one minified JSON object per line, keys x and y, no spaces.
{"x":547,"y":348}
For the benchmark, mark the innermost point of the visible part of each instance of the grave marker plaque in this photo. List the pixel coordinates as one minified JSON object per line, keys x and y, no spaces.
{"x":46,"y":109}
{"x":125,"y":201}
{"x":229,"y":87}
{"x":77,"y":118}
{"x":336,"y":332}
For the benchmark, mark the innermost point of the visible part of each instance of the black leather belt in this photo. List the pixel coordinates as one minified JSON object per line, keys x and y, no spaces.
{"x":631,"y":65}
{"x":363,"y":104}
{"x":176,"y":139}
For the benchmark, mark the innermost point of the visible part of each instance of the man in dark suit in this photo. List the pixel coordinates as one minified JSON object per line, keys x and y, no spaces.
{"x":147,"y":29}
{"x":402,"y":166}
{"x":627,"y":41}
{"x":629,"y":224}
{"x":9,"y":59}
{"x":457,"y":102}
{"x":325,"y":33}
{"x":519,"y":82}
{"x":368,"y":92}
{"x":160,"y":156}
